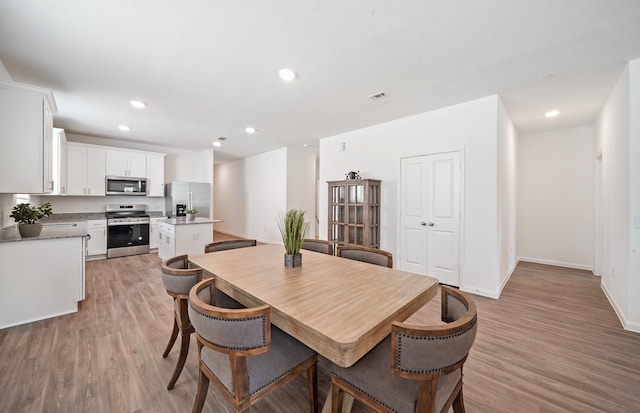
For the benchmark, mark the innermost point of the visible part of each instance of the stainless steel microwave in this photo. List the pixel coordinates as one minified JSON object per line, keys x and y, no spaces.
{"x":120,"y":185}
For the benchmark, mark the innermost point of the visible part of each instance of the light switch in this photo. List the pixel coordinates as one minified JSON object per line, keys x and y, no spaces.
{"x":636,"y":223}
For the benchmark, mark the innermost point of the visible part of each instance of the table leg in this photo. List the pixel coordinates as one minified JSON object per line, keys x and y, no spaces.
{"x":347,"y":403}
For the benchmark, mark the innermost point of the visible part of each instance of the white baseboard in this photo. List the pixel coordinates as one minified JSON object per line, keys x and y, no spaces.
{"x":557,"y":263}
{"x":626,"y":324}
{"x":489,"y":293}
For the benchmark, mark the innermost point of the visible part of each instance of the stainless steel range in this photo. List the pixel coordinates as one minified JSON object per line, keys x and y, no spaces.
{"x":127,"y":230}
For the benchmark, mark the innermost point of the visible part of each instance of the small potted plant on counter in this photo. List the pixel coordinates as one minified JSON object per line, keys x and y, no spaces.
{"x":191,"y":214}
{"x":293,"y":230}
{"x":27,"y":215}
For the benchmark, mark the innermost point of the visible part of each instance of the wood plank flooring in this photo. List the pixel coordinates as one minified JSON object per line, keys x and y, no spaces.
{"x":551,"y":343}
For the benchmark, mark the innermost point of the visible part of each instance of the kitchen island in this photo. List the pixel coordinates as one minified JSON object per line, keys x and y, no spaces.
{"x":179,"y":236}
{"x":41,"y":277}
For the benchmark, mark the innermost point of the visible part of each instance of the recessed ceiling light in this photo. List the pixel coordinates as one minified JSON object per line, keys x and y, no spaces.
{"x":287,"y":74}
{"x":217,"y":143}
{"x":124,"y":128}
{"x":552,"y":113}
{"x":250,"y":130}
{"x":138,"y":104}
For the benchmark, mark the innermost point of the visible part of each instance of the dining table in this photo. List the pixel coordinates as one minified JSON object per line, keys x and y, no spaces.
{"x":340,"y":308}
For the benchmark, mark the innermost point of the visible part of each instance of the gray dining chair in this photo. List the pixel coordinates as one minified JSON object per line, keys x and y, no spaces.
{"x":243,"y":355}
{"x":317,"y":245}
{"x":229,"y":244}
{"x":178,"y":279}
{"x":366,"y":254}
{"x":223,"y":299}
{"x":418,"y":369}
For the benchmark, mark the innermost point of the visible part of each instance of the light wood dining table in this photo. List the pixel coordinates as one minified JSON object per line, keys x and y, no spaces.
{"x":339,"y":307}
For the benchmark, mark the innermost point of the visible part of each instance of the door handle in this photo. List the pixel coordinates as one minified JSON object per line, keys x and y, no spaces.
{"x":431,"y":224}
{"x":423,"y":223}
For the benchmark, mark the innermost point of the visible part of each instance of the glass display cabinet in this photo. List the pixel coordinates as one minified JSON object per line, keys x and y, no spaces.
{"x":354,"y":212}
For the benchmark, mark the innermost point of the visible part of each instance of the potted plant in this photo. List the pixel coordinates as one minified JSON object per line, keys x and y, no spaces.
{"x":293,"y":230}
{"x":27,"y":215}
{"x":191,"y":214}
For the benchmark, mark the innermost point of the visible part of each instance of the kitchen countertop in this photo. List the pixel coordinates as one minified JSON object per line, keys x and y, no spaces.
{"x":183,"y":221}
{"x":49,"y":231}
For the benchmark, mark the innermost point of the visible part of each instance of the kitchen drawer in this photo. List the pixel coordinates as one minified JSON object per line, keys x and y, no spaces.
{"x":96,"y":223}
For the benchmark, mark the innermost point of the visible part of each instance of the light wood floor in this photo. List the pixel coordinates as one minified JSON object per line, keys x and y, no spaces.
{"x":551,"y":343}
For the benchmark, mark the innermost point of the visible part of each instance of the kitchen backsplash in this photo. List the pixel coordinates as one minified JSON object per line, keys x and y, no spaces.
{"x":72,"y":204}
{"x":75,"y":204}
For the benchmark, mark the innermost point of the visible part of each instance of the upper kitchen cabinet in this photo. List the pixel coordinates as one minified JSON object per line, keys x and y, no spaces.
{"x":155,"y":175}
{"x":85,"y":169}
{"x":126,"y":163}
{"x":59,"y":162}
{"x":26,"y":138}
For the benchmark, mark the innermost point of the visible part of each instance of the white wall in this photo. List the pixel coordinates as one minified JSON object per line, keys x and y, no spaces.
{"x":4,"y":74}
{"x":250,"y":193}
{"x":633,"y":292}
{"x":556,"y":175}
{"x":301,"y":185}
{"x":230,"y":197}
{"x":506,"y":213}
{"x":618,"y":140}
{"x":376,"y":152}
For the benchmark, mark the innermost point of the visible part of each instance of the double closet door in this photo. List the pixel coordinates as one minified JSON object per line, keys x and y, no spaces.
{"x":430,"y":216}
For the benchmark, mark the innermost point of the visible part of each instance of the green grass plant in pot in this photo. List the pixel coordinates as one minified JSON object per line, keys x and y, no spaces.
{"x":27,"y":216}
{"x":293,"y":230}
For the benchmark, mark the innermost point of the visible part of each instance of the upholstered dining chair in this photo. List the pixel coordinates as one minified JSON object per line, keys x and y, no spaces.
{"x":223,"y":299}
{"x":317,"y":245}
{"x":229,"y":245}
{"x":243,"y":354}
{"x":366,"y":254}
{"x":178,"y":279}
{"x":417,"y":369}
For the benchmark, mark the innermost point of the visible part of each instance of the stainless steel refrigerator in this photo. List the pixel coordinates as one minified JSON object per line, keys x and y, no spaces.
{"x":196,"y":195}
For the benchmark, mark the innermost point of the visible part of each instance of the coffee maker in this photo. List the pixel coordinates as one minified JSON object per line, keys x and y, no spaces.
{"x":181,"y":210}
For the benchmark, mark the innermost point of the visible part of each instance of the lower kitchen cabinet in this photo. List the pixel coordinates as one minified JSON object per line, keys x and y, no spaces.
{"x":97,"y":244}
{"x":179,"y":237}
{"x":154,"y":233}
{"x":40,"y":278}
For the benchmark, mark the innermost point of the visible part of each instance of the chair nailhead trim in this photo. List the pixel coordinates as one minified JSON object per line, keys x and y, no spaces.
{"x":446,"y":306}
{"x":264,"y":337}
{"x":398,"y":353}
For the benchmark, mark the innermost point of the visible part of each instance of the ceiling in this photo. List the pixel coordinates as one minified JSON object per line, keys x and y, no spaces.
{"x":209,"y":68}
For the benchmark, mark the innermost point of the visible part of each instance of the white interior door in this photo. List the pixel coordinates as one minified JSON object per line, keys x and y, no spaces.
{"x":430,"y":216}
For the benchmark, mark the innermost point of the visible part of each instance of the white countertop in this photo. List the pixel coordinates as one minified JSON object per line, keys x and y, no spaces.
{"x":49,"y":231}
{"x":183,"y":221}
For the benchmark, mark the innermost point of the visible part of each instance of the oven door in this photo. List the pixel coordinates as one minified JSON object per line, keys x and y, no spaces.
{"x":127,"y":239}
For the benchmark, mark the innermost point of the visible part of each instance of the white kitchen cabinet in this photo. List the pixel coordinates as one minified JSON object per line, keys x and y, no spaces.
{"x":40,"y":278}
{"x":59,"y":159}
{"x":155,"y":175}
{"x":85,"y":170}
{"x":154,"y":233}
{"x":26,"y":138}
{"x":179,"y":237}
{"x":126,"y":163}
{"x":97,"y":244}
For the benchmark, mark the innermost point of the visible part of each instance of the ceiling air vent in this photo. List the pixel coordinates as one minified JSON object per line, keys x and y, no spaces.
{"x":378,"y":95}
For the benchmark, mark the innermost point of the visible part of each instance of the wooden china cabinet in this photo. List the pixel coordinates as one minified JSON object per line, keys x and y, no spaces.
{"x":354,"y":212}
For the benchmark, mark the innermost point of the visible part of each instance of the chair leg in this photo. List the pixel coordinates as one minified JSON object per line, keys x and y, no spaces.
{"x":458,"y":403}
{"x":172,"y":339}
{"x":201,"y":395}
{"x":184,"y":350}
{"x":336,"y":398}
{"x":312,"y":384}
